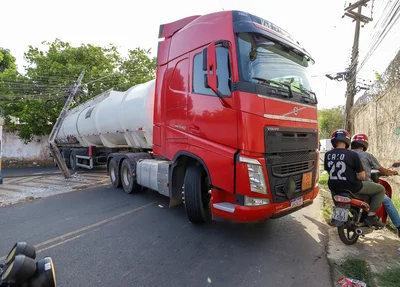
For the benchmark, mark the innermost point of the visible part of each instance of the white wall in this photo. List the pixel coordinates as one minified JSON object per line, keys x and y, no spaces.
{"x":326,"y":144}
{"x":15,"y":149}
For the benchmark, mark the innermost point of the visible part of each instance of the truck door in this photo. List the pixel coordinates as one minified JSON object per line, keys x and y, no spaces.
{"x":209,"y":117}
{"x":176,"y":100}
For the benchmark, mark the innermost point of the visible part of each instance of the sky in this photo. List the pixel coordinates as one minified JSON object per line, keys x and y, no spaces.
{"x":316,"y":24}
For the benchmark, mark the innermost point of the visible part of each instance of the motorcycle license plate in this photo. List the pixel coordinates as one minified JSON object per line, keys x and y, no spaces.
{"x":340,"y":214}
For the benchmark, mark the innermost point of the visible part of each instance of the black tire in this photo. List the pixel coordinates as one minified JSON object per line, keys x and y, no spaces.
{"x":128,"y":183}
{"x":72,"y":160}
{"x":65,"y":159}
{"x":115,"y":177}
{"x":197,"y":198}
{"x":345,"y":230}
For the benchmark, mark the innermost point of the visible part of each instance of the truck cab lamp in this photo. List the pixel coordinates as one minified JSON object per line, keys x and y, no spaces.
{"x":253,"y":201}
{"x":256,"y":175}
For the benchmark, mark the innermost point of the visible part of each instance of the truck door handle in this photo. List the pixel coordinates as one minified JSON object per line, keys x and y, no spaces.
{"x":195,"y":130}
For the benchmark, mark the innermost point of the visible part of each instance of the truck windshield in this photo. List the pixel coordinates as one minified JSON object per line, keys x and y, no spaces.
{"x":261,"y":58}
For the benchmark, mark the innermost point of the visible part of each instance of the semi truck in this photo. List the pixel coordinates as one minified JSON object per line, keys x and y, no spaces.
{"x":228,"y":127}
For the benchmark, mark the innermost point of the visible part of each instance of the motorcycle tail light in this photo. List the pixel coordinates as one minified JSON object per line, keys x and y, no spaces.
{"x":339,"y":198}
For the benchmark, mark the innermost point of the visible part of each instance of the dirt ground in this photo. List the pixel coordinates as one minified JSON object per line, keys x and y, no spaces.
{"x":10,"y":163}
{"x":24,"y":188}
{"x":380,"y":249}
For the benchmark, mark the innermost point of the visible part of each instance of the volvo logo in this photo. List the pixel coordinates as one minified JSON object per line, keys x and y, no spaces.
{"x":296,"y":111}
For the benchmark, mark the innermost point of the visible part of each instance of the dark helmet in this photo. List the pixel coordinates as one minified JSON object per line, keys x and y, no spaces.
{"x":340,"y":136}
{"x":359,"y":140}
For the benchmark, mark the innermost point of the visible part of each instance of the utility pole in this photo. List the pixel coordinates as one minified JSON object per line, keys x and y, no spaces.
{"x":352,"y":71}
{"x":56,"y":128}
{"x":1,"y":146}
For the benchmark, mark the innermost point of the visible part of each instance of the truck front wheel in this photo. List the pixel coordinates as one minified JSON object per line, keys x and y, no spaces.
{"x":129,"y":184}
{"x":196,"y":195}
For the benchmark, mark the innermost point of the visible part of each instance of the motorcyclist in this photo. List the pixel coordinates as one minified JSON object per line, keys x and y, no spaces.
{"x":346,"y":174}
{"x":359,"y":144}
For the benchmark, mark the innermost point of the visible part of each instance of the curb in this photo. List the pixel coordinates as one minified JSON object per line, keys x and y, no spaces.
{"x":86,"y":186}
{"x":32,"y":175}
{"x":68,"y":190}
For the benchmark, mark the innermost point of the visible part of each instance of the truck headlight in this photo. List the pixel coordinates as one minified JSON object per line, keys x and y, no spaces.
{"x":256,"y":175}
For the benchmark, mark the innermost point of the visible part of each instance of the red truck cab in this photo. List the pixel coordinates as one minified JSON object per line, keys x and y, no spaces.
{"x":233,"y":99}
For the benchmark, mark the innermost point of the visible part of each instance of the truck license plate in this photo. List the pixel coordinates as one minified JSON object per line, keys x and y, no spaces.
{"x":296,"y":202}
{"x":340,"y":214}
{"x":306,"y":181}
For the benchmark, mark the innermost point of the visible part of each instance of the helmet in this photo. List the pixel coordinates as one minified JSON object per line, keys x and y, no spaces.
{"x":359,"y":140}
{"x":340,"y":136}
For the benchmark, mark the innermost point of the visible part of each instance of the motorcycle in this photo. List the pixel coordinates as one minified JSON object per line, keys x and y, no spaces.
{"x":351,"y":210}
{"x":20,"y":268}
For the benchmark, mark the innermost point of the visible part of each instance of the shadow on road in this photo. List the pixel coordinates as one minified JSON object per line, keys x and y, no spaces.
{"x":158,"y":246}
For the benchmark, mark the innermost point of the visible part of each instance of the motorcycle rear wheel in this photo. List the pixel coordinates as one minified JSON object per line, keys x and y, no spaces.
{"x":347,"y":232}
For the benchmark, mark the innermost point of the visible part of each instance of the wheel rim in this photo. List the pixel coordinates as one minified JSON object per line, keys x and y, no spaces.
{"x":113,"y":175}
{"x":125,"y":176}
{"x":349,"y":227}
{"x":72,"y":161}
{"x":205,"y":193}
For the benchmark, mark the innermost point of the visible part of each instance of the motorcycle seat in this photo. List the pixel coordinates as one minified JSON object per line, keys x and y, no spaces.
{"x":348,"y":193}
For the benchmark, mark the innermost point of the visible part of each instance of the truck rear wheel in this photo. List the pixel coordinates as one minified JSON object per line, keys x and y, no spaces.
{"x":196,"y":195}
{"x":115,"y":177}
{"x":128,"y":183}
{"x":72,"y":160}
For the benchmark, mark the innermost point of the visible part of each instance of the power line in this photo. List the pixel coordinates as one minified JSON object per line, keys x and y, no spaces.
{"x":96,"y":80}
{"x":387,"y":21}
{"x":28,"y":85}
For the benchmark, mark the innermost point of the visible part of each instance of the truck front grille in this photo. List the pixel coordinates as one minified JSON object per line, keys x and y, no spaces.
{"x":292,"y":168}
{"x":289,"y":153}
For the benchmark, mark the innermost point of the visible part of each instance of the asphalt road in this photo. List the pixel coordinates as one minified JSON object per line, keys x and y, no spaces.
{"x":104,"y":237}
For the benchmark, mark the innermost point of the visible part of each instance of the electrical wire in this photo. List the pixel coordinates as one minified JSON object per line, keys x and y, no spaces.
{"x":387,"y":21}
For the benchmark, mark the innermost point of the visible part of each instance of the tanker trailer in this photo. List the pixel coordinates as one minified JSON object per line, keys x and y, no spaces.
{"x":111,"y":122}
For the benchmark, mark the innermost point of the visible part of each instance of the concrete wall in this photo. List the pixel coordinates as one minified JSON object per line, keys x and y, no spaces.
{"x":380,"y":120}
{"x":15,"y":150}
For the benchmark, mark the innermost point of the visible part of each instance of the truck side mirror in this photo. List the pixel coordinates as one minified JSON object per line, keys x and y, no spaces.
{"x":210,"y":65}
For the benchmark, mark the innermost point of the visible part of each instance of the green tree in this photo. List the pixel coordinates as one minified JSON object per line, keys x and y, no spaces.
{"x":51,"y":73}
{"x":378,"y":76}
{"x":8,"y":76}
{"x":62,"y":63}
{"x":138,"y":68}
{"x":7,"y":62}
{"x":329,"y":120}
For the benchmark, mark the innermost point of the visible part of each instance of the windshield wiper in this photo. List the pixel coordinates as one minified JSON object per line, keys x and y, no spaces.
{"x":310,"y":95}
{"x":269,"y":82}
